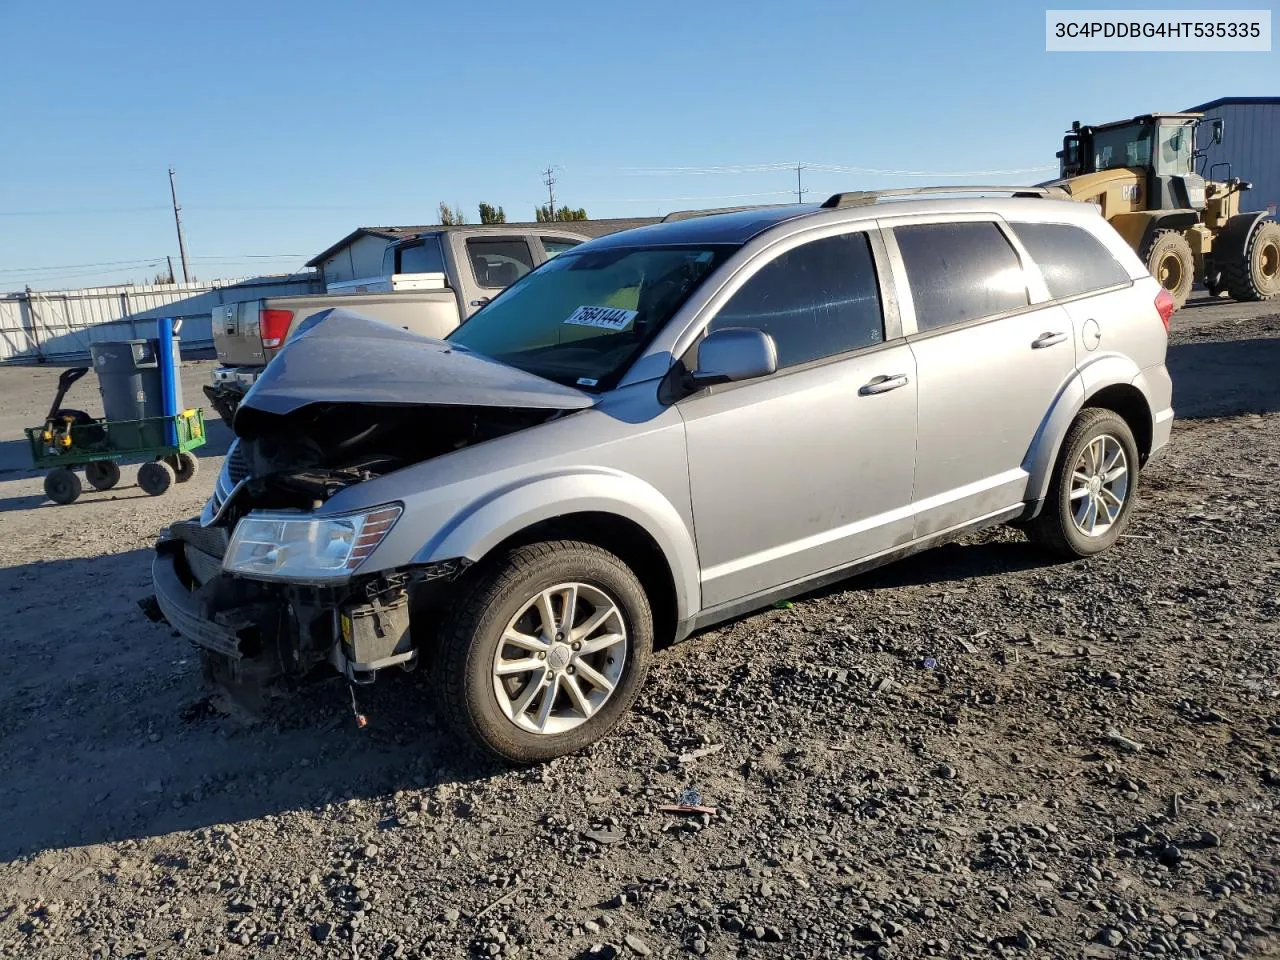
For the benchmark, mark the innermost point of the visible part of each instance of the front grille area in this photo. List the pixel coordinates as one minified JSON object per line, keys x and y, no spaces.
{"x":234,"y":469}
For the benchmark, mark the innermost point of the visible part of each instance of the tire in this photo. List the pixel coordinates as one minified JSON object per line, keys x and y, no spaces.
{"x":1256,"y":275}
{"x":155,"y":478}
{"x":1057,"y":527}
{"x":1169,"y":259}
{"x":472,"y":642}
{"x":62,"y":485}
{"x":102,"y":474}
{"x":185,"y":466}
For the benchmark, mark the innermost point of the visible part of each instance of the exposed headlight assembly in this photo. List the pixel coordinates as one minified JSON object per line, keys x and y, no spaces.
{"x":285,"y":546}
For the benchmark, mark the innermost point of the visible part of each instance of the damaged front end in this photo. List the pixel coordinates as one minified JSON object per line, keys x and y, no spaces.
{"x":271,"y":587}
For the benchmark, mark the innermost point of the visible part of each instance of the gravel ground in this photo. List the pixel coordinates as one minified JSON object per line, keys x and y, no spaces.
{"x":973,"y":752}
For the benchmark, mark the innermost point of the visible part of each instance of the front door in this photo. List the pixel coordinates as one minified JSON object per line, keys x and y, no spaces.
{"x":809,"y":469}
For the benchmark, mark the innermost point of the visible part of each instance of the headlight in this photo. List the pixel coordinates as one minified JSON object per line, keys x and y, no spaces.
{"x":289,"y":547}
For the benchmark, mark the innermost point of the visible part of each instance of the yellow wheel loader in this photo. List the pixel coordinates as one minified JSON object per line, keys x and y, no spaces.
{"x":1142,"y":173}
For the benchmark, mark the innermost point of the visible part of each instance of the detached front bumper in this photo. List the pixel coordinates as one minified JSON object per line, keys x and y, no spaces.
{"x":263,"y":631}
{"x":184,"y":610}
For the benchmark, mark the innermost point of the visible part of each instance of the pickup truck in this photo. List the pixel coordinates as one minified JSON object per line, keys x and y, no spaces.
{"x":429,"y":284}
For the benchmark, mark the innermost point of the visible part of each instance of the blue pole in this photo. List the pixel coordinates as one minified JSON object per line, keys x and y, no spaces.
{"x":168,"y":396}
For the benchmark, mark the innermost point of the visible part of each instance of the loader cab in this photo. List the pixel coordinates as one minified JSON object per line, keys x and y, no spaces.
{"x":1161,"y":145}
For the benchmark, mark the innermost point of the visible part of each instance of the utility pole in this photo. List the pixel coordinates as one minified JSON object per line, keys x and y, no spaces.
{"x":177,"y":219}
{"x":800,"y":191}
{"x":171,"y":277}
{"x":550,"y":181}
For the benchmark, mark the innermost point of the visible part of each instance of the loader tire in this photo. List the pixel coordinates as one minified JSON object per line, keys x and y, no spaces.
{"x":1168,"y":257}
{"x":1256,"y":275}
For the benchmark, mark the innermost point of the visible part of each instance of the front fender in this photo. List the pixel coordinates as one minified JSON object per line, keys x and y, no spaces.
{"x":1089,"y":380}
{"x":502,"y":513}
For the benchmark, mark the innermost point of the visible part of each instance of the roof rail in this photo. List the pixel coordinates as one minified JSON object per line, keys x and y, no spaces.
{"x":859,"y":198}
{"x":690,"y":214}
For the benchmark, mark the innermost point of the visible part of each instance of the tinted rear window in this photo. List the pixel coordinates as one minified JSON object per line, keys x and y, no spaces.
{"x":959,"y":272}
{"x":1071,"y":260}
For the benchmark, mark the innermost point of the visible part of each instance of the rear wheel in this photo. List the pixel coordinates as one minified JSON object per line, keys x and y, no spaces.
{"x":1256,"y":275}
{"x":1168,"y":256}
{"x":102,"y":474}
{"x":1094,"y":484}
{"x":546,"y":651}
{"x":155,"y":478}
{"x":62,"y":485}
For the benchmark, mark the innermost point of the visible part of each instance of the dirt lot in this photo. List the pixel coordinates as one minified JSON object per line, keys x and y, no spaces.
{"x":917,"y":763}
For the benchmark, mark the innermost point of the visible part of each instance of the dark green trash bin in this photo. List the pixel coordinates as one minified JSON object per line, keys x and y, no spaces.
{"x":129,"y":381}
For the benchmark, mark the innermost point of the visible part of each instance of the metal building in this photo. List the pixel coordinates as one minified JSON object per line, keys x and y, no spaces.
{"x":1250,"y":143}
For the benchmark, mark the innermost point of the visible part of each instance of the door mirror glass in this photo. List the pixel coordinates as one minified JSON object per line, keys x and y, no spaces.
{"x":734,"y":353}
{"x":1217,"y":131}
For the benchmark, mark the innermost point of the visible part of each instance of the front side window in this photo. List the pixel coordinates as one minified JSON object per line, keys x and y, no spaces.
{"x":499,"y":263}
{"x":557,"y":245}
{"x":1175,"y":150}
{"x":816,"y":300}
{"x":1071,"y":260}
{"x":582,"y":317}
{"x":959,"y":272}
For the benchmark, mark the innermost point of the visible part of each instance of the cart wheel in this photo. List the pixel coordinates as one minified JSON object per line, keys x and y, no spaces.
{"x":62,"y":485}
{"x":102,"y":474}
{"x":185,"y":466}
{"x":155,"y":478}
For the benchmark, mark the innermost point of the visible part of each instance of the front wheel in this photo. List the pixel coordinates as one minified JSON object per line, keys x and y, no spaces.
{"x":546,"y":651}
{"x":1092,"y":491}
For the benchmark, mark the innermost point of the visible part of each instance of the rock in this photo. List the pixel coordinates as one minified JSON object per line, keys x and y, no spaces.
{"x":591,"y":926}
{"x":370,"y":851}
{"x":451,"y":915}
{"x":945,"y":771}
{"x":637,"y":945}
{"x":602,"y":951}
{"x":320,"y":931}
{"x":1210,"y":839}
{"x":1109,"y":936}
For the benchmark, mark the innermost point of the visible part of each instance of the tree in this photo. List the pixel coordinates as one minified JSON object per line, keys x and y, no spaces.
{"x":162,"y":277}
{"x":490,"y":214}
{"x":563,"y":214}
{"x":451,"y":217}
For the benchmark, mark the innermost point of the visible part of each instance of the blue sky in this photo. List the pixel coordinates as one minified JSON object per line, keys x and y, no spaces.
{"x":291,"y":123}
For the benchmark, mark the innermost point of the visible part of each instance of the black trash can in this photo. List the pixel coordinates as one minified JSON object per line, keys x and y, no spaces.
{"x":129,"y":381}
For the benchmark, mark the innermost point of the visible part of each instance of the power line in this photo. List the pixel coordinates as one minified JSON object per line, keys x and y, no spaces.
{"x":77,"y":266}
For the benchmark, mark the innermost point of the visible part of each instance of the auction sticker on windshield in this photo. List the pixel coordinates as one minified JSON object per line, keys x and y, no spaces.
{"x":606,"y":318}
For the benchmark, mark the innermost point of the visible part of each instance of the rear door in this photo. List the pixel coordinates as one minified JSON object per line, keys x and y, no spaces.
{"x":990,"y":358}
{"x":488,"y":264}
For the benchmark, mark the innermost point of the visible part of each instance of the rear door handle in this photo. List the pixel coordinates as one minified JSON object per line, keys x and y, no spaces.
{"x":883,"y":384}
{"x":1048,"y":340}
{"x":480,"y":303}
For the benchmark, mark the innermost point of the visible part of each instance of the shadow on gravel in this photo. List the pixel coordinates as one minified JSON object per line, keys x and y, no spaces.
{"x":1224,"y":378}
{"x":107,"y":733}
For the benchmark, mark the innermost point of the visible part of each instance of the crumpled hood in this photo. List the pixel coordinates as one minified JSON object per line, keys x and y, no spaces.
{"x":341,"y":357}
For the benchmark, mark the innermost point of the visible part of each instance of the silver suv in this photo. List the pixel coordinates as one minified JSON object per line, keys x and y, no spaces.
{"x":666,"y":428}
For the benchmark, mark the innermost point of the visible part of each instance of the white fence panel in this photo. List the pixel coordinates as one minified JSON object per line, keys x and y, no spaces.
{"x":60,"y":325}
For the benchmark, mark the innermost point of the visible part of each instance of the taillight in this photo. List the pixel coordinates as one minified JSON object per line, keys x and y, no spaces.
{"x":275,"y":326}
{"x":1164,"y":307}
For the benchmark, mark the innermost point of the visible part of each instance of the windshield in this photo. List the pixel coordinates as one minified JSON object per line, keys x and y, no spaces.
{"x":581,"y":318}
{"x":1122,"y":147}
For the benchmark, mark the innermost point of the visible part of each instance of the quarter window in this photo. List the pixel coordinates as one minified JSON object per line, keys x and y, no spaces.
{"x":959,"y":272}
{"x":817,"y":300}
{"x":1071,"y":260}
{"x":499,"y":263}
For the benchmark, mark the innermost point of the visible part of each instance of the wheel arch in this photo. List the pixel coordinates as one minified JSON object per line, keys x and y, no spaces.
{"x":1109,"y":383}
{"x":615,"y":511}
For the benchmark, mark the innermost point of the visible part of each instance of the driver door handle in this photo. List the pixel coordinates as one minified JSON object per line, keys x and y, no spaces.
{"x":1048,"y":340}
{"x":883,"y":384}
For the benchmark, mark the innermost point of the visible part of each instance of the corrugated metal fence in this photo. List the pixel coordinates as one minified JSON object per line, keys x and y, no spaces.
{"x":60,"y":324}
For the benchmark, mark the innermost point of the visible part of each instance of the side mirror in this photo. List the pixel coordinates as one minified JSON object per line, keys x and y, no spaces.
{"x":732,"y":354}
